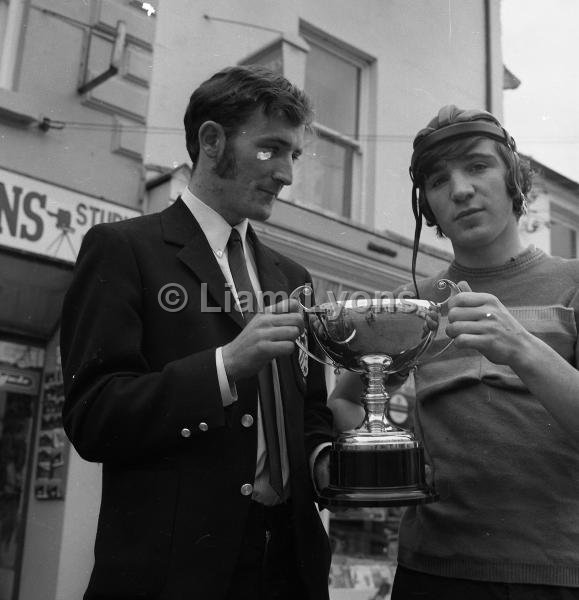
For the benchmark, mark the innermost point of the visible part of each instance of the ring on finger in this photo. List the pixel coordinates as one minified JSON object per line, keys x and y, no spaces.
{"x":489,"y":315}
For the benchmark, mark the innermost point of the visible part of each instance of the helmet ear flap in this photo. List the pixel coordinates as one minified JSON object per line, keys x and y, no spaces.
{"x":425,"y":208}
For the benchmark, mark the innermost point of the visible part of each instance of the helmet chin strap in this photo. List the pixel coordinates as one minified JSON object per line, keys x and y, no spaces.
{"x":417,"y":210}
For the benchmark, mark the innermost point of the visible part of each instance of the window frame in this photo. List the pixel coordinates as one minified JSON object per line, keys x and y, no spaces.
{"x":565,"y":218}
{"x":357,"y":176}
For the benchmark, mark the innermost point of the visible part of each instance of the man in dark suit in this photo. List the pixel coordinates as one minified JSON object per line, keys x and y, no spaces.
{"x":175,"y":376}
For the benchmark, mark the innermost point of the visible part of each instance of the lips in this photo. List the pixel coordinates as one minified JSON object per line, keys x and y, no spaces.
{"x":467,"y":213}
{"x":273,"y":193}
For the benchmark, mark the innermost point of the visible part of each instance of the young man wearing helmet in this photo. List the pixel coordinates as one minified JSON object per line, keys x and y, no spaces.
{"x":498,"y":412}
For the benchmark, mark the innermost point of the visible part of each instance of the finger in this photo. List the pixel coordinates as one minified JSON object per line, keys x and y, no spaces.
{"x":284,"y":306}
{"x":281,"y":348}
{"x":284,"y":333}
{"x":463,"y":286}
{"x":287,"y":319}
{"x":478,"y":313}
{"x":265,"y":320}
{"x":288,"y":332}
{"x":472,"y":328}
{"x":472,"y":341}
{"x":472,"y":299}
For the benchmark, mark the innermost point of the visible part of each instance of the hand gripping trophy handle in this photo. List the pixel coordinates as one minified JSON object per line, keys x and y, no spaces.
{"x":307,"y":290}
{"x":454,"y":290}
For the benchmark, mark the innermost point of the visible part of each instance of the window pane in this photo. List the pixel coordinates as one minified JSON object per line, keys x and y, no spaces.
{"x":323,"y":176}
{"x":332,"y":83}
{"x":3,"y":23}
{"x":563,"y":240}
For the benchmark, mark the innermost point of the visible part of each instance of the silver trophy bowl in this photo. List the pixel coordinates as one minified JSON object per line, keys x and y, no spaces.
{"x":379,"y":463}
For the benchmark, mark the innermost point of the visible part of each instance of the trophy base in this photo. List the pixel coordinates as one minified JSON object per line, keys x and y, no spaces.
{"x":339,"y":498}
{"x":376,"y":469}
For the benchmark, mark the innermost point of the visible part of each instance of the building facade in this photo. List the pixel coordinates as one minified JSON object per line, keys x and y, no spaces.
{"x":74,"y":87}
{"x":92,"y":96}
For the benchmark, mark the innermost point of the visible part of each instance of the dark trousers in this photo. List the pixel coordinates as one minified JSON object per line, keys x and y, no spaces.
{"x":413,"y":585}
{"x":267,"y":566}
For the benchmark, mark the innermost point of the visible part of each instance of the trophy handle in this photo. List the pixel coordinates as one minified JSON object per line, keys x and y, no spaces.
{"x":306,"y":289}
{"x":454,"y":290}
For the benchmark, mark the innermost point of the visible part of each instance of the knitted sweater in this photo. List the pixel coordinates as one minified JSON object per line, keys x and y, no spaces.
{"x":506,"y":472}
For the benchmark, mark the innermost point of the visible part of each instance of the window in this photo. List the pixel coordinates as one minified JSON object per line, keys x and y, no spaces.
{"x":563,"y":240}
{"x":564,"y":230}
{"x":336,"y":79}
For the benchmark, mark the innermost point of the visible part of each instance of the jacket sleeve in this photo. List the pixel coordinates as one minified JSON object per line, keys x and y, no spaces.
{"x":117,"y":408}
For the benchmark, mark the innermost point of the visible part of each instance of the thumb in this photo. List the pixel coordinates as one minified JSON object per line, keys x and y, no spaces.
{"x":464,"y":287}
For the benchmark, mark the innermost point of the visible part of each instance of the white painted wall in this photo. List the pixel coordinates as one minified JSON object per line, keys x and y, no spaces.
{"x":428,"y":53}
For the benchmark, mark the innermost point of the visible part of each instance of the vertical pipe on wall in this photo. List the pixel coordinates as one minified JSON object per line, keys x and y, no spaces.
{"x":12,"y":43}
{"x":488,"y":58}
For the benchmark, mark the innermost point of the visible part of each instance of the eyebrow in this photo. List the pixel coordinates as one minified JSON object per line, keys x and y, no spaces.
{"x":480,"y":155}
{"x":441,"y":164}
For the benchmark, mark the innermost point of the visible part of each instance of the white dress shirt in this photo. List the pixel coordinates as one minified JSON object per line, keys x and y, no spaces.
{"x":217,"y":232}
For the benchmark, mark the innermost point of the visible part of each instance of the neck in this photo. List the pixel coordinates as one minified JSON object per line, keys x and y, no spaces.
{"x":497,"y":253}
{"x":208,"y":193}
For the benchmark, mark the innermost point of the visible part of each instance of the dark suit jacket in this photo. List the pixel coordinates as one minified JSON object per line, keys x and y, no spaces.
{"x":138,"y":376}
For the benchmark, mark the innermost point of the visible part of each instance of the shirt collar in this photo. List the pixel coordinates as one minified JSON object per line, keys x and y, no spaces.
{"x":216,"y":229}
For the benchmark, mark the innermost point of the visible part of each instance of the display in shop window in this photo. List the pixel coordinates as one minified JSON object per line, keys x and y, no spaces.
{"x":50,"y":455}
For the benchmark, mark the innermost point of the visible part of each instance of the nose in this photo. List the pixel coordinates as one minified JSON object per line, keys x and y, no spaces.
{"x":283,"y":172}
{"x":461,"y":187}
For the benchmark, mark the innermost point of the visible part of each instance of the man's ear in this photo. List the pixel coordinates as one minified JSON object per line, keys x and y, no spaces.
{"x":212,"y":140}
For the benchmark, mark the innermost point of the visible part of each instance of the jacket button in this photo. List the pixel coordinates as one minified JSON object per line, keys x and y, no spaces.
{"x":246,"y":489}
{"x":203,"y":426}
{"x":247,"y":420}
{"x":185,"y":432}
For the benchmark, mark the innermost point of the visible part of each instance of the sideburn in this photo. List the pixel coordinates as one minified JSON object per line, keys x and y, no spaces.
{"x":226,"y":168}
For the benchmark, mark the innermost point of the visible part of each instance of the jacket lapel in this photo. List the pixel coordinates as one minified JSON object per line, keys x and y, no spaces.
{"x":182,"y":229}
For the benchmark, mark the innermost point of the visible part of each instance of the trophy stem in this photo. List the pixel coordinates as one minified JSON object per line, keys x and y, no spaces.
{"x":375,"y":398}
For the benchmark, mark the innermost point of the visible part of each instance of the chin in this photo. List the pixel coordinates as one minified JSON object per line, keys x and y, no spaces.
{"x":263,"y":211}
{"x":261,"y":215}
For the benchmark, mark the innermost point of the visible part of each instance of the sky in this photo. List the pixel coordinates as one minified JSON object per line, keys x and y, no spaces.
{"x":540,"y":41}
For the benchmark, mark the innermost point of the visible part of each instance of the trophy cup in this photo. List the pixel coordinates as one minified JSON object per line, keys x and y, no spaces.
{"x":378,"y":464}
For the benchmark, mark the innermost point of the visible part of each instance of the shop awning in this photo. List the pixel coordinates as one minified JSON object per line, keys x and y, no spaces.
{"x":31,"y":293}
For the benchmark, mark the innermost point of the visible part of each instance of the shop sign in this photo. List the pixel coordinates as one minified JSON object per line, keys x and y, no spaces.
{"x":49,"y":220}
{"x":16,"y":380}
{"x":398,"y":409}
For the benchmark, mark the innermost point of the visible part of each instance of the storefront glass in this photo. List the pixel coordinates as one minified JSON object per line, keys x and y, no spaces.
{"x":20,"y":375}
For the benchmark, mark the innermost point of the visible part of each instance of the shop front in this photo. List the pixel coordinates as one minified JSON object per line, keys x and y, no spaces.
{"x":41,"y":229}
